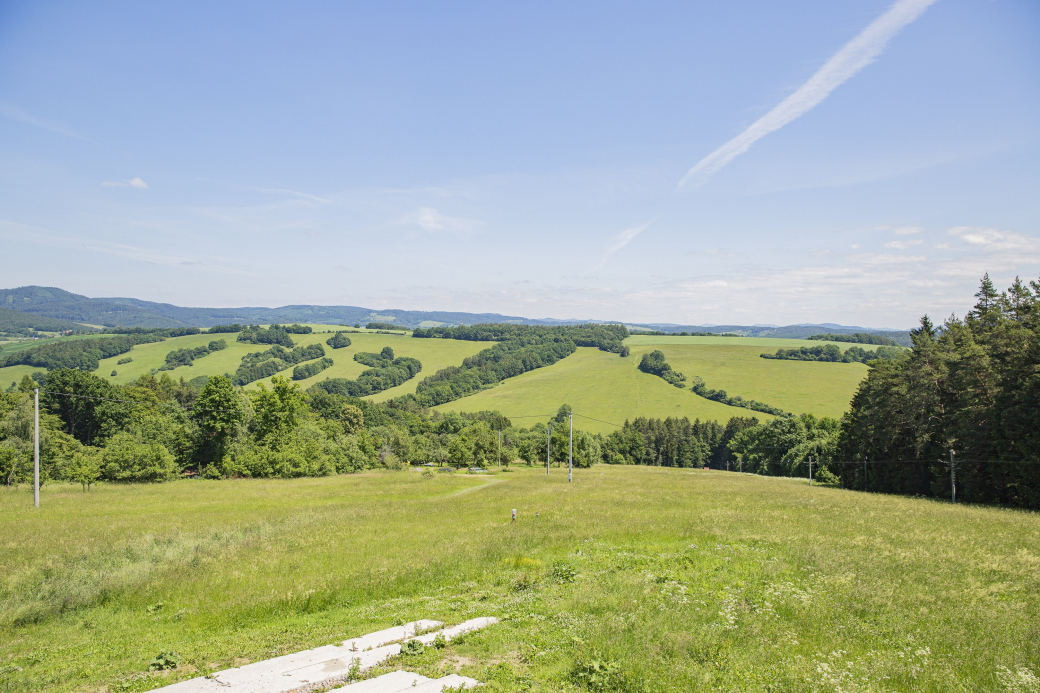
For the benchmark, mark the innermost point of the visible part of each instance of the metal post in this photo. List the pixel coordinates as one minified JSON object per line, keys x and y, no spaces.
{"x":570,"y":451}
{"x":36,"y":449}
{"x":548,"y":435}
{"x":953,"y":479}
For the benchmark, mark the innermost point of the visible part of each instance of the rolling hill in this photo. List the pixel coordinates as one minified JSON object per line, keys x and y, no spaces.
{"x":603,"y":388}
{"x":132,"y":312}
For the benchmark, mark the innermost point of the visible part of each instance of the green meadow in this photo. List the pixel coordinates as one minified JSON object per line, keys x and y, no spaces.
{"x":597,"y":384}
{"x":605,"y":386}
{"x":434,"y":354}
{"x":632,"y":579}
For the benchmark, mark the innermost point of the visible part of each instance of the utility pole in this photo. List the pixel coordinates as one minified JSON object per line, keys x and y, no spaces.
{"x":810,"y":471}
{"x":500,"y":449}
{"x":36,"y":449}
{"x":570,"y":451}
{"x":548,"y":435}
{"x":864,"y":474}
{"x":953,"y":479}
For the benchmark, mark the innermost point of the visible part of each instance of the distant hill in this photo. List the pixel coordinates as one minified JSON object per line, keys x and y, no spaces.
{"x":59,"y":304}
{"x":15,"y":323}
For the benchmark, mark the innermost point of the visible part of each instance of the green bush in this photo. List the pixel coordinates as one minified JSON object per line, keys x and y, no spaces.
{"x":126,"y":458}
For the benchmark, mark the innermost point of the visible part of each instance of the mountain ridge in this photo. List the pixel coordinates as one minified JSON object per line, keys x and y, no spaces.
{"x":59,"y":304}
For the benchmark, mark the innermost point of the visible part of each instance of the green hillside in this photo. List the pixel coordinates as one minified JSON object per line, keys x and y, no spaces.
{"x":607,"y":387}
{"x":433,"y":353}
{"x":597,"y":384}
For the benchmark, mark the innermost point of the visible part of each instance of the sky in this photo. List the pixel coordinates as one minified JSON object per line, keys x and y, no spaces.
{"x":861,"y":162}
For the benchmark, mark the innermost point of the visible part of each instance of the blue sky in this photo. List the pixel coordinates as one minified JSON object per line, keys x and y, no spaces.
{"x":526,"y":158}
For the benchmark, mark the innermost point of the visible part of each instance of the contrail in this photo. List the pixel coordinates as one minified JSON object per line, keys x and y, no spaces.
{"x":622,"y":239}
{"x":853,"y":57}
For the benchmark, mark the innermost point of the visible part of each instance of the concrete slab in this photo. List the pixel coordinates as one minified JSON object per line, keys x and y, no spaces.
{"x":450,"y":681}
{"x":321,"y":664}
{"x":394,"y":682}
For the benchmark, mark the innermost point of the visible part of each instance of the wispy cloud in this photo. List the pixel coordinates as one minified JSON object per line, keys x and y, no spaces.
{"x":429,"y":219}
{"x":21,"y":116}
{"x":902,"y":245}
{"x":14,"y":231}
{"x":843,"y":65}
{"x":621,"y":240}
{"x":134,"y":182}
{"x":301,"y":195}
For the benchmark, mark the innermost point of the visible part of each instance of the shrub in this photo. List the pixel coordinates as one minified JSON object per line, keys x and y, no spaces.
{"x":338,"y":340}
{"x":126,"y":458}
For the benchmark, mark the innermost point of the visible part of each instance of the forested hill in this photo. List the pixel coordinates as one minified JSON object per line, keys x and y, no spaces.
{"x":59,"y":304}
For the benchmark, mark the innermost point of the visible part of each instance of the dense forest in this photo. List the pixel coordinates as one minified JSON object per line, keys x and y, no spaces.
{"x":857,"y":338}
{"x":967,"y":390}
{"x":833,"y":353}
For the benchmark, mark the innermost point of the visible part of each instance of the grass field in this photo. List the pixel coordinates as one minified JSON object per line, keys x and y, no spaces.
{"x":597,"y":384}
{"x":606,"y":387}
{"x":683,"y":580}
{"x":434,"y":354}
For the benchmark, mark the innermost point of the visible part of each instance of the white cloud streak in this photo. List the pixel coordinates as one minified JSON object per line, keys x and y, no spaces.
{"x":843,"y":65}
{"x":621,"y":240}
{"x":134,"y":182}
{"x":21,"y":116}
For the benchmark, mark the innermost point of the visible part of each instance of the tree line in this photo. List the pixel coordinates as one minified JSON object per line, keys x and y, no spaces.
{"x":82,"y":354}
{"x":258,"y":365}
{"x":832,"y":353}
{"x":654,"y":363}
{"x":857,"y":338}
{"x":186,"y":357}
{"x":386,"y":371}
{"x":519,"y":349}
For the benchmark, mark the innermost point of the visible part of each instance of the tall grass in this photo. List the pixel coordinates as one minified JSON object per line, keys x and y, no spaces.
{"x":633,"y":579}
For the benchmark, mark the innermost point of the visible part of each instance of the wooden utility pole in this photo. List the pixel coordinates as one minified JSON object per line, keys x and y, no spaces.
{"x":953,"y":479}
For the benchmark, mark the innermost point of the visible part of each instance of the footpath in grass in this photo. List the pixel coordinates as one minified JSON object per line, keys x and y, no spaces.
{"x":632,"y":579}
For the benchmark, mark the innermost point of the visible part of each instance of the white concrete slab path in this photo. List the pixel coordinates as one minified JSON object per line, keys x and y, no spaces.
{"x":325,"y":664}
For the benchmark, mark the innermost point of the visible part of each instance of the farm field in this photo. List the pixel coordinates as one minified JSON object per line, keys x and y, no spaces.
{"x":670,"y":579}
{"x":607,"y":387}
{"x":597,"y":384}
{"x":434,"y":354}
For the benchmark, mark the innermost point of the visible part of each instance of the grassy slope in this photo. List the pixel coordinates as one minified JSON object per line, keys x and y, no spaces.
{"x":597,"y":384}
{"x":434,"y":354}
{"x":689,"y":580}
{"x":607,"y":387}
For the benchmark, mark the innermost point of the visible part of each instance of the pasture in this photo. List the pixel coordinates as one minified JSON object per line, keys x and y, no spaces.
{"x":610,"y":388}
{"x":658,"y":579}
{"x":434,"y":354}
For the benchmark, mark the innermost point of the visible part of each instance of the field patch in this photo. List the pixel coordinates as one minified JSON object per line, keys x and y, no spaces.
{"x":608,"y":387}
{"x":675,"y":579}
{"x":434,"y":354}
